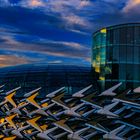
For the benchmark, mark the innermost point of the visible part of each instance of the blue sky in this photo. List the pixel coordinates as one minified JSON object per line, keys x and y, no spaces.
{"x":57,"y":31}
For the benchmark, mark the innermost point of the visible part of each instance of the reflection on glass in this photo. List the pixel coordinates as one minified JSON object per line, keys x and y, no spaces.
{"x":116,"y":53}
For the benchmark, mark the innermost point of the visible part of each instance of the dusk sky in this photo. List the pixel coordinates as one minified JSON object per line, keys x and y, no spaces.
{"x":57,"y":31}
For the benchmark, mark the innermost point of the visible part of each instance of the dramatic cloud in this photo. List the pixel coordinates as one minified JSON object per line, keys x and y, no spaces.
{"x":32,"y":3}
{"x":8,"y":60}
{"x":56,"y":48}
{"x":58,"y":30}
{"x":132,"y":5}
{"x":41,"y":50}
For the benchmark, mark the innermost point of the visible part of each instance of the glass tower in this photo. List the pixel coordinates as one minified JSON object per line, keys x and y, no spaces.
{"x":116,"y":55}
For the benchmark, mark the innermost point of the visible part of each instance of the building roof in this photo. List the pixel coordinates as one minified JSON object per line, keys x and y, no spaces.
{"x":47,"y":76}
{"x":117,"y":26}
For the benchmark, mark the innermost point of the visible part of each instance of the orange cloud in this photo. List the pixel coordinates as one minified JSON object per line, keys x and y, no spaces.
{"x":36,"y":3}
{"x":10,"y":60}
{"x":132,"y":4}
{"x":32,"y":3}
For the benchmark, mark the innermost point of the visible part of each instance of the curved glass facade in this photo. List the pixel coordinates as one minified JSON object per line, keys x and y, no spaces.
{"x":116,"y":54}
{"x":49,"y":77}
